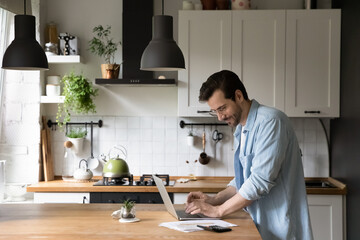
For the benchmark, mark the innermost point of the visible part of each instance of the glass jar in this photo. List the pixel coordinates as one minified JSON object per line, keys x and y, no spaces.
{"x":51,"y":49}
{"x":68,"y":167}
{"x":51,"y":35}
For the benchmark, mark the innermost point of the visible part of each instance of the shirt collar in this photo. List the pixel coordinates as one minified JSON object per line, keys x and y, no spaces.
{"x":250,"y":119}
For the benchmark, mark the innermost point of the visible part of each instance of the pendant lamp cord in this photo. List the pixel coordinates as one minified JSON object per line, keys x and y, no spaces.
{"x":24,"y":7}
{"x":162,"y":7}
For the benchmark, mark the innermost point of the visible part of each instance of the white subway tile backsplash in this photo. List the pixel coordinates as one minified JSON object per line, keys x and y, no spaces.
{"x":147,"y":135}
{"x":159,"y":134}
{"x":171,"y":135}
{"x":134,"y":122}
{"x":133,"y":134}
{"x":121,"y":122}
{"x":158,"y":122}
{"x":146,"y":122}
{"x":171,"y":122}
{"x":121,"y":134}
{"x":158,"y":145}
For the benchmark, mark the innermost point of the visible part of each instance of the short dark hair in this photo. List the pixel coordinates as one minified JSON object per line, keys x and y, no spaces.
{"x":226,"y":81}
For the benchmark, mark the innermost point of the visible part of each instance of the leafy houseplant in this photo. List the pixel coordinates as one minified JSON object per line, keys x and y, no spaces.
{"x":79,"y":94}
{"x":77,"y":133}
{"x":103,"y":45}
{"x":128,"y":209}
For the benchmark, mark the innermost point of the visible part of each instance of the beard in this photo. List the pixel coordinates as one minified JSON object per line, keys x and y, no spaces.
{"x":234,"y":119}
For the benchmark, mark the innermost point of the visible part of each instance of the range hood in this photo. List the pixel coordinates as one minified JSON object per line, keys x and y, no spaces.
{"x":137,"y":33}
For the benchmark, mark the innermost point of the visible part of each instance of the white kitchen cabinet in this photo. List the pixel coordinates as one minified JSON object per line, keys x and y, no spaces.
{"x":271,"y":51}
{"x":327,"y":215}
{"x":312,"y":63}
{"x":50,"y":197}
{"x":258,"y":40}
{"x":205,"y":40}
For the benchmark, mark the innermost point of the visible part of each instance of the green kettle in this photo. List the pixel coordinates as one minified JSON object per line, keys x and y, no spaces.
{"x":116,"y":168}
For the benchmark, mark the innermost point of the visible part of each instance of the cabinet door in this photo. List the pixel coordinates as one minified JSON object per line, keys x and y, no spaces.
{"x":312,"y":63}
{"x":327,"y":216}
{"x":205,"y":40}
{"x":45,"y":197}
{"x":258,"y":54}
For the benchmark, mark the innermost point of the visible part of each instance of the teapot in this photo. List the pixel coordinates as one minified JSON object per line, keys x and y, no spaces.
{"x":116,"y":167}
{"x":83,"y":173}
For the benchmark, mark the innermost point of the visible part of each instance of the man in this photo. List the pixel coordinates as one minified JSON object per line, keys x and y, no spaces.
{"x":269,"y":178}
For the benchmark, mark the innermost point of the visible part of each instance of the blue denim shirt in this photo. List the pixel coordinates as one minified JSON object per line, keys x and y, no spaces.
{"x":269,"y":171}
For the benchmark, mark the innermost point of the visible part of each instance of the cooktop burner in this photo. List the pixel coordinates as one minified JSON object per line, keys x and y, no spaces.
{"x":145,"y":180}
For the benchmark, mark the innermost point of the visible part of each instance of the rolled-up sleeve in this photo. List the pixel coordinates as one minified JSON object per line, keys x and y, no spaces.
{"x":269,"y":154}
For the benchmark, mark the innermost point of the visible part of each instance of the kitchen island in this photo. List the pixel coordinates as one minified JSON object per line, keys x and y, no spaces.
{"x":94,"y":221}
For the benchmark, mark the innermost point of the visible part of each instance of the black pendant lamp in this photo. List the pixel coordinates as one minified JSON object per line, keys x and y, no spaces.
{"x":24,"y":52}
{"x":162,"y":53}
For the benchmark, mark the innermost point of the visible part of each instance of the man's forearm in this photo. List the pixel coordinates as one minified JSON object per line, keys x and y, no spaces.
{"x":222,"y":196}
{"x":235,"y":203}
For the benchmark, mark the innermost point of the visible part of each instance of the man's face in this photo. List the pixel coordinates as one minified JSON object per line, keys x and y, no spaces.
{"x":227,"y":110}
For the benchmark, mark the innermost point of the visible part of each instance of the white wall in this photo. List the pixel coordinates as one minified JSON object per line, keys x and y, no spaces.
{"x":20,"y":131}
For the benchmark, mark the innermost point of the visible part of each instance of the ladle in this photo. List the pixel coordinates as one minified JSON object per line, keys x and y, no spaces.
{"x":204,"y":158}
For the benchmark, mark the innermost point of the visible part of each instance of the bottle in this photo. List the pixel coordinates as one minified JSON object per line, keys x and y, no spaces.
{"x":68,"y":167}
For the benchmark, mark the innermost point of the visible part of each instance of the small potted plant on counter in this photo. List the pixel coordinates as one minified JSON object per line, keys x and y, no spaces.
{"x":128,"y":209}
{"x":102,"y":44}
{"x":79,"y":94}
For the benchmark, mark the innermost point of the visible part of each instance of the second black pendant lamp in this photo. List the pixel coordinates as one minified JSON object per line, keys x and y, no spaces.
{"x":24,"y":52}
{"x":162,"y":53}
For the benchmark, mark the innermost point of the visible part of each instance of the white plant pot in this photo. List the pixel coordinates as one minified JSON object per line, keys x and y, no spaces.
{"x":78,"y":144}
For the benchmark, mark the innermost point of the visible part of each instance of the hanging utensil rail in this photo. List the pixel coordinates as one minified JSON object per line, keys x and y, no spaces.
{"x":99,"y":123}
{"x":183,"y":124}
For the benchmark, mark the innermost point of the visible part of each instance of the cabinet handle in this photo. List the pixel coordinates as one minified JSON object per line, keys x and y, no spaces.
{"x":84,"y":199}
{"x":318,"y":112}
{"x":198,"y":111}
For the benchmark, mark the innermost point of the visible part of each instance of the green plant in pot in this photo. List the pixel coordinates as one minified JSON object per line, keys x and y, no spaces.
{"x":128,"y":209}
{"x":76,"y":136}
{"x":103,"y":45}
{"x":79,"y":94}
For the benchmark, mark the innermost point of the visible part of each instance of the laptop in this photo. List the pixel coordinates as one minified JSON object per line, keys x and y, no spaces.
{"x":178,"y":214}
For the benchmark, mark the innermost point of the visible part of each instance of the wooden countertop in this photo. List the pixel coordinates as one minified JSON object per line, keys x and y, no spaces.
{"x":94,"y":221}
{"x":204,"y":184}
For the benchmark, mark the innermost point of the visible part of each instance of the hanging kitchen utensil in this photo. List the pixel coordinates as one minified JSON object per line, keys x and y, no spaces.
{"x":204,"y":158}
{"x":216,"y":136}
{"x":93,"y":162}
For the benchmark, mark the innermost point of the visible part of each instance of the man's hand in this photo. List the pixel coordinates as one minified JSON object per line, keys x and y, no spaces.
{"x":196,"y":196}
{"x":200,"y":206}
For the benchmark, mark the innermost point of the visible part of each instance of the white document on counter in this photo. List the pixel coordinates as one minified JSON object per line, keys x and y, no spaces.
{"x":190,"y":226}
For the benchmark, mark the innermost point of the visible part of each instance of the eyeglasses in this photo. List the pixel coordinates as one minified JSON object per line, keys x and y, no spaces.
{"x":219,"y":110}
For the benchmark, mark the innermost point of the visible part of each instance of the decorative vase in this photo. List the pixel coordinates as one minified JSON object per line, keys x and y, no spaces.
{"x":110,"y":71}
{"x":240,"y":4}
{"x":208,"y":4}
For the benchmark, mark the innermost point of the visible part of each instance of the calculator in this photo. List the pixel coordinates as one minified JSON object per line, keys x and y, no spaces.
{"x":215,"y":228}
